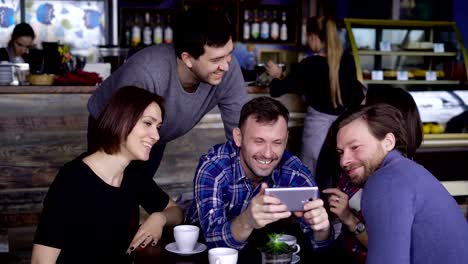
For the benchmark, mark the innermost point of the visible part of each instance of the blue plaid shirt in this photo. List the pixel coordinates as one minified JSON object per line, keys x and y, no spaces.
{"x":222,"y":192}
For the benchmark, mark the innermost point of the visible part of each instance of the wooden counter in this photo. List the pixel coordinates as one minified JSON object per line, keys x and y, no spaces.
{"x":36,"y":89}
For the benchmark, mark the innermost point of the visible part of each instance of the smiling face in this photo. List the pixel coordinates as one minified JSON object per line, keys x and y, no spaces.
{"x":144,"y":134}
{"x":211,"y":66}
{"x":360,"y":152}
{"x":261,"y":146}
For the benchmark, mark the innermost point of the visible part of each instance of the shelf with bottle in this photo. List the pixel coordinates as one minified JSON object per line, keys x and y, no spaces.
{"x":144,"y":27}
{"x":268,"y":24}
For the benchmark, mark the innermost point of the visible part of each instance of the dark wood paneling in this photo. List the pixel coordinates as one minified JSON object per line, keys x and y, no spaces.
{"x":38,"y":134}
{"x":33,"y":159}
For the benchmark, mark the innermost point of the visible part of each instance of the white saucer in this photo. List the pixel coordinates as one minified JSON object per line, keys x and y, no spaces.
{"x":295,"y":259}
{"x":172,"y":247}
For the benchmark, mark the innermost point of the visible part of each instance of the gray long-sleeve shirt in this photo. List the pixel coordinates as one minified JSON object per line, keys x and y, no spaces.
{"x":155,"y":69}
{"x":410,"y":216}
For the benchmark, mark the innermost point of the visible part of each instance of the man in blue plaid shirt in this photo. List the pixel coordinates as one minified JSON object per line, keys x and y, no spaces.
{"x":230,"y":181}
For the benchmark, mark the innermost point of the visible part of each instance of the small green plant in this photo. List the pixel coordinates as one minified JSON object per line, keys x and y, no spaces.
{"x":276,"y":246}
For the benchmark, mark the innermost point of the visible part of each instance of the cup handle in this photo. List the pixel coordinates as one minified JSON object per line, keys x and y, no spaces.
{"x":298,"y":248}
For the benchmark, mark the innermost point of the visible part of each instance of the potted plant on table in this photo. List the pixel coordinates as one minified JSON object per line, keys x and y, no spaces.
{"x":276,"y":251}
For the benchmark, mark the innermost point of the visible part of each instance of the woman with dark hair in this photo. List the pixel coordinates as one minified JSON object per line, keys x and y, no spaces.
{"x":20,"y":43}
{"x":91,"y":211}
{"x":345,"y":200}
{"x":327,"y":80}
{"x":403,"y":101}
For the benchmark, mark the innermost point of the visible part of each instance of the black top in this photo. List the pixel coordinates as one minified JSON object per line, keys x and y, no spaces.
{"x":4,"y":54}
{"x":91,"y":221}
{"x":311,"y":79}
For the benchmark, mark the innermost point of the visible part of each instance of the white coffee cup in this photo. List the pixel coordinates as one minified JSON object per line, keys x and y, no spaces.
{"x":222,"y":255}
{"x":291,"y":241}
{"x":186,"y":237}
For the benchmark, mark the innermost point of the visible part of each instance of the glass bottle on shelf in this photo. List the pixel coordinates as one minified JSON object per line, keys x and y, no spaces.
{"x":246,"y":27}
{"x":255,"y":29}
{"x":147,"y":31}
{"x":284,"y":27}
{"x":168,"y":33}
{"x":265,"y":26}
{"x":274,"y":31}
{"x":136,"y":32}
{"x":158,"y":31}
{"x":127,"y":32}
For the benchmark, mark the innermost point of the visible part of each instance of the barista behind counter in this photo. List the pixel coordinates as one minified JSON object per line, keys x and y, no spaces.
{"x":19,"y":45}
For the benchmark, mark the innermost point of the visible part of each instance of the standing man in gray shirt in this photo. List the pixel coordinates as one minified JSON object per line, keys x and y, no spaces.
{"x":195,"y":74}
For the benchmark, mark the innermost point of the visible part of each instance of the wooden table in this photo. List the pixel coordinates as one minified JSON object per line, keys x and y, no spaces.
{"x":158,"y":254}
{"x":249,"y":254}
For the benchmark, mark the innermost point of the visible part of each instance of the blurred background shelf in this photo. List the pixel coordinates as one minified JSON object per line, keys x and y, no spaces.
{"x":406,"y":53}
{"x":413,"y":82}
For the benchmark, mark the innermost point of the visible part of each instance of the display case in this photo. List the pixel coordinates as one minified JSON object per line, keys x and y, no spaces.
{"x":424,"y":57}
{"x":421,"y":54}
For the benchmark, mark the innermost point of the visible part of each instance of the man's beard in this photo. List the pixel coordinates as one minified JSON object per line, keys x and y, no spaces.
{"x":369,"y":169}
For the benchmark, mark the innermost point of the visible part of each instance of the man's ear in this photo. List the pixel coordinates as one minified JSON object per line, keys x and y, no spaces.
{"x":389,"y":142}
{"x":237,"y":136}
{"x":186,"y":59}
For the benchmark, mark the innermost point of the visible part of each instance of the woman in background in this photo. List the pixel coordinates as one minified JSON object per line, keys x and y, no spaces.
{"x":19,"y":45}
{"x":327,"y":80}
{"x":91,"y":211}
{"x":345,"y":200}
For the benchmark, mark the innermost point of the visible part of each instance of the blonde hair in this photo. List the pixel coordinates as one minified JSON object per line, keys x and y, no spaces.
{"x":325,"y":29}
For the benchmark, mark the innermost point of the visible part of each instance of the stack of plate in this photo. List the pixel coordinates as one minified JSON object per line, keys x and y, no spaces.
{"x":6,"y":73}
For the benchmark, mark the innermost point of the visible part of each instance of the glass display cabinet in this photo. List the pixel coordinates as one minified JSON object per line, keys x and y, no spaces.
{"x":427,"y":58}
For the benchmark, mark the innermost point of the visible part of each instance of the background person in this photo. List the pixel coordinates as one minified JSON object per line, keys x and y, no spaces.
{"x":345,"y":200}
{"x":19,"y":45}
{"x":193,"y":76}
{"x":327,"y":80}
{"x":458,"y":123}
{"x":91,"y":211}
{"x":229,"y":185}
{"x":410,"y":217}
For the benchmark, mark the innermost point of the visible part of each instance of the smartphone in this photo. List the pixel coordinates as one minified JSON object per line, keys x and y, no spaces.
{"x":294,"y":197}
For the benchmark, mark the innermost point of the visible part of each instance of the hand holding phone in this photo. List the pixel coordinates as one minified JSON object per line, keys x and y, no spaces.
{"x":294,"y":197}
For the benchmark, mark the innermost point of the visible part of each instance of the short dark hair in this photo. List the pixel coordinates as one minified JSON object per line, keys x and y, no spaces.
{"x":198,"y":27}
{"x":264,"y":110}
{"x":120,"y":115}
{"x":381,"y":120}
{"x":22,"y":30}
{"x":403,"y":101}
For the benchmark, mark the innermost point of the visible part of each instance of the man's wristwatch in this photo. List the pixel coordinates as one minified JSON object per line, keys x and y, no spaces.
{"x":360,"y":228}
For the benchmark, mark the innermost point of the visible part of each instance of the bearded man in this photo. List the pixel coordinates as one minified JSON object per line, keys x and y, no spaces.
{"x":410,"y":217}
